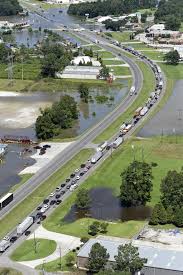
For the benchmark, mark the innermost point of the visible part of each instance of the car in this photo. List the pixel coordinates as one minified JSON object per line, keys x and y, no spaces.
{"x":81,"y":174}
{"x":46,"y":146}
{"x":39,"y":208}
{"x":63,"y":185}
{"x":46,"y":201}
{"x":72,"y":175}
{"x":27,"y":233}
{"x":77,"y":170}
{"x":83,"y":165}
{"x":85,"y":170}
{"x":68,"y":186}
{"x":57,"y":196}
{"x":42,"y":152}
{"x":37,"y":147}
{"x":52,"y":202}
{"x":58,"y":201}
{"x":6,"y":238}
{"x":73,"y":182}
{"x":78,"y":177}
{"x":52,"y":194}
{"x":38,"y":215}
{"x":43,"y":217}
{"x":119,"y":54}
{"x":44,"y":208}
{"x":67,"y":180}
{"x":62,"y":192}
{"x":88,"y":166}
{"x":13,"y":239}
{"x":58,"y":189}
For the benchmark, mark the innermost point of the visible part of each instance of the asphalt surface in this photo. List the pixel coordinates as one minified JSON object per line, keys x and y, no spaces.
{"x":67,"y":154}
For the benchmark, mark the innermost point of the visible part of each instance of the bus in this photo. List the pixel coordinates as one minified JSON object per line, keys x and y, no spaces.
{"x":6,"y":200}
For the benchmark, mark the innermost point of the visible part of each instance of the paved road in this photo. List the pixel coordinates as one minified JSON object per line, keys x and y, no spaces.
{"x":74,"y":148}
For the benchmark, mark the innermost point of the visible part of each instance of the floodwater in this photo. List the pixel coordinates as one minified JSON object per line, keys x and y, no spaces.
{"x":18,"y":111}
{"x":12,"y":163}
{"x":105,"y":206}
{"x":169,"y":120}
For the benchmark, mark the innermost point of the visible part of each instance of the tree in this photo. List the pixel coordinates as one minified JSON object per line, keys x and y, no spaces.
{"x":4,"y":53}
{"x":172,"y":57}
{"x":94,"y":228}
{"x":82,"y":199}
{"x":128,"y":259}
{"x":170,"y":214}
{"x":159,"y":215}
{"x":84,"y":92}
{"x":172,"y":190}
{"x":104,"y":72}
{"x":172,"y":23}
{"x":154,"y":220}
{"x":9,"y":7}
{"x":178,"y":217}
{"x":136,"y":184}
{"x":103,"y":227}
{"x":70,"y":260}
{"x":98,"y":258}
{"x":49,"y":65}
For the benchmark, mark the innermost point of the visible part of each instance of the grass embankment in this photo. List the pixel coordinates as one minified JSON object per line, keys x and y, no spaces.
{"x":121,"y":36}
{"x":148,"y":84}
{"x":23,"y":178}
{"x":9,"y":271}
{"x":55,"y":266}
{"x":165,"y":152}
{"x":32,"y":250}
{"x":33,"y":200}
{"x":120,"y":71}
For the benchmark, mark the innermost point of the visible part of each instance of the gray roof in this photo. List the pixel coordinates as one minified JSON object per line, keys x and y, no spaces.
{"x":157,"y":257}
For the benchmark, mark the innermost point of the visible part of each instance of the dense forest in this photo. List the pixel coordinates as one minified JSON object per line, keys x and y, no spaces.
{"x":9,"y":7}
{"x":112,"y":7}
{"x":170,"y":11}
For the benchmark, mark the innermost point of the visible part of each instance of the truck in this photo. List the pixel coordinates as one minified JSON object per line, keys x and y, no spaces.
{"x":137,"y":112}
{"x":96,"y":157}
{"x":144,"y":111}
{"x":117,"y":142}
{"x":22,"y":227}
{"x":4,"y":244}
{"x":102,"y":146}
{"x":123,"y":126}
{"x":132,"y":90}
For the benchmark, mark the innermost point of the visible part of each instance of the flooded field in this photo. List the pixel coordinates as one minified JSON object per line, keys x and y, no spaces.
{"x":169,"y":120}
{"x":18,"y":111}
{"x":105,"y":206}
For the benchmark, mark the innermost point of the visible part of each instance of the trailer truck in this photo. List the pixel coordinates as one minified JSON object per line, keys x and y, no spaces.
{"x":96,"y":157}
{"x":117,"y":142}
{"x":4,"y":244}
{"x":22,"y":227}
{"x":144,"y":111}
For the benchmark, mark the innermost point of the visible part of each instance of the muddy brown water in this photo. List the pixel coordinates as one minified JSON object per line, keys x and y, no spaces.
{"x":106,"y":206}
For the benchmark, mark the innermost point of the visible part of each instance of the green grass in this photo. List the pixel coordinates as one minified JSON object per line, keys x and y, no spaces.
{"x":9,"y":271}
{"x":154,"y":55}
{"x":32,"y":250}
{"x":137,"y":46}
{"x":173,"y":72}
{"x":148,"y":85}
{"x":32,"y":201}
{"x":106,"y":54}
{"x":120,"y":71}
{"x":54,"y":266}
{"x":24,"y":178}
{"x":15,"y":85}
{"x":121,"y":36}
{"x":113,"y":62}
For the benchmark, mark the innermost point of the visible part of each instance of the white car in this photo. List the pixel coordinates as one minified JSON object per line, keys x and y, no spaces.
{"x":44,"y":208}
{"x":77,"y":170}
{"x":78,"y":177}
{"x":73,"y":187}
{"x":58,"y":189}
{"x":52,"y":194}
{"x":6,"y":238}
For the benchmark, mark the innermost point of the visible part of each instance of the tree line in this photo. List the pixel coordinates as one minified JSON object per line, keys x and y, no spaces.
{"x":171,"y":12}
{"x":9,"y":7}
{"x":113,"y":7}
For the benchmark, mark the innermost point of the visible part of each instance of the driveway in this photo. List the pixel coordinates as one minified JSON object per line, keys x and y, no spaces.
{"x":65,"y":243}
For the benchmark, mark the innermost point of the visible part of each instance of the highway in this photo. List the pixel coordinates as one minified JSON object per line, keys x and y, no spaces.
{"x":67,"y":154}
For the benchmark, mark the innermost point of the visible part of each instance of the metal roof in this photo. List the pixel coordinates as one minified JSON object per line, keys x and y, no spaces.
{"x":157,"y":257}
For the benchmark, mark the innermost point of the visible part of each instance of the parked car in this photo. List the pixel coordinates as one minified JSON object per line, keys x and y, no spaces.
{"x":62,"y":192}
{"x":6,"y":238}
{"x":58,"y":189}
{"x":67,"y":180}
{"x":52,"y":202}
{"x":58,"y":202}
{"x":77,"y":170}
{"x":72,"y":175}
{"x":27,"y":233}
{"x":46,"y":201}
{"x":78,"y":177}
{"x":83,"y":165}
{"x":39,"y":208}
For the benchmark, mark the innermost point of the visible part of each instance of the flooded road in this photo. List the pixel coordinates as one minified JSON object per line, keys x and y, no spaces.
{"x":105,"y":206}
{"x":169,"y":120}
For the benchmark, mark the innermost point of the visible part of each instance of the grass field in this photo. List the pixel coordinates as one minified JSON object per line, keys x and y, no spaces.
{"x":113,"y":62}
{"x":121,"y":36}
{"x":154,"y":55}
{"x":9,"y":271}
{"x":54,"y":266}
{"x":137,"y":46}
{"x":148,"y":84}
{"x":28,"y":205}
{"x":106,"y":54}
{"x":32,"y":250}
{"x":120,"y":71}
{"x":24,"y":178}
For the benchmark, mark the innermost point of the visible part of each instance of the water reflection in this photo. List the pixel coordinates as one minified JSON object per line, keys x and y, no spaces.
{"x":105,"y":206}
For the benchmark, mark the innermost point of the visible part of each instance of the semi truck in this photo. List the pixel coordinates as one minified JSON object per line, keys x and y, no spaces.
{"x":144,"y":111}
{"x":22,"y":227}
{"x":96,"y":157}
{"x":102,"y":146}
{"x":117,"y":142}
{"x":4,"y":244}
{"x":137,"y":112}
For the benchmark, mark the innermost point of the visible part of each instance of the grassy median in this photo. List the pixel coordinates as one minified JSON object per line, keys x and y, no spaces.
{"x":33,"y":200}
{"x":148,"y":86}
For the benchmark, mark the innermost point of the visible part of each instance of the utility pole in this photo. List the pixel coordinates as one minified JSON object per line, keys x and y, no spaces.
{"x":133,"y":150}
{"x":22,"y":68}
{"x":10,"y":67}
{"x":60,"y":257}
{"x":142,"y":154}
{"x":35,"y":243}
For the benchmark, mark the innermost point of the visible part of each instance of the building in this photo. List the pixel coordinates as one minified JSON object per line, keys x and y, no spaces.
{"x":84,"y":60}
{"x":180,"y":51}
{"x":80,"y":72}
{"x":161,"y":260}
{"x":3,"y":148}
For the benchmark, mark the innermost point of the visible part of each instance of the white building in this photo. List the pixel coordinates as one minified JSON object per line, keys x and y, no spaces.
{"x":80,"y":72}
{"x":84,"y":60}
{"x":157,"y":27}
{"x":180,"y":51}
